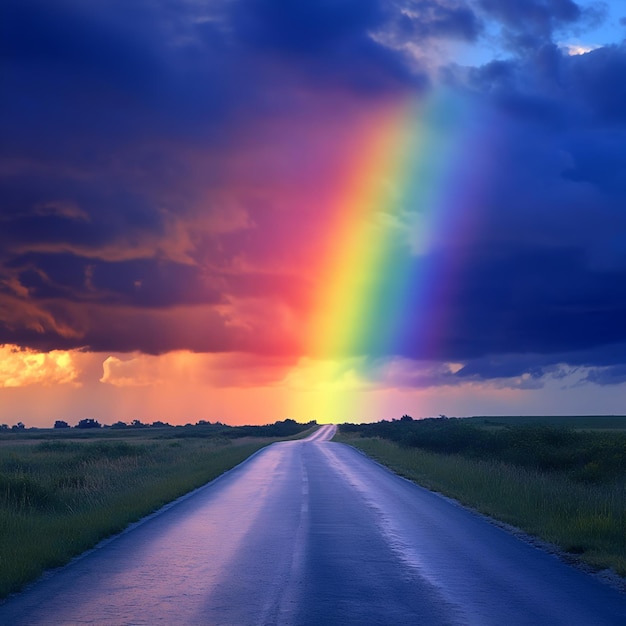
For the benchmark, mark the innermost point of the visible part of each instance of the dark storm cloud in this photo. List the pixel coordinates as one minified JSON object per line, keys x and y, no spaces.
{"x":596,"y":77}
{"x":426,"y":19}
{"x":545,"y":280}
{"x":527,"y":24}
{"x":136,"y":283}
{"x":124,"y":124}
{"x":89,"y":43}
{"x":104,"y":204}
{"x":330,"y":42}
{"x":326,"y":26}
{"x":540,"y":301}
{"x":607,"y":376}
{"x":541,"y":16}
{"x":602,"y":365}
{"x":305,"y":27}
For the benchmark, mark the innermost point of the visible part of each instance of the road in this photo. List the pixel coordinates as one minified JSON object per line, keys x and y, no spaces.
{"x":313,"y":533}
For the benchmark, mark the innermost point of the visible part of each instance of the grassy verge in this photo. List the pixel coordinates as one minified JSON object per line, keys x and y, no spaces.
{"x":587,"y":520}
{"x":59,"y":498}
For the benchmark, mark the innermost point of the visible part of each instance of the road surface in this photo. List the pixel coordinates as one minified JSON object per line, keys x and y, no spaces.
{"x":313,"y":532}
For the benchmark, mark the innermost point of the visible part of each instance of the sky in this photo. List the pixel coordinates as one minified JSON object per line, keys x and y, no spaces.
{"x":340,"y":210}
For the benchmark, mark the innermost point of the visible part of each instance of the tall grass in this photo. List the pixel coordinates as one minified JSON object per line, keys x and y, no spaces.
{"x":587,"y":456}
{"x":582,"y":518}
{"x":59,"y":498}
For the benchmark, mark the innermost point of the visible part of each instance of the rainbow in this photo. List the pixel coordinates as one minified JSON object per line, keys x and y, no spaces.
{"x":407,"y":193}
{"x":402,"y":213}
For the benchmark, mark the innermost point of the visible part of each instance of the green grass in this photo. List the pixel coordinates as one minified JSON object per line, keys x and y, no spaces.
{"x":592,"y":456}
{"x":60,"y":497}
{"x":586,"y":519}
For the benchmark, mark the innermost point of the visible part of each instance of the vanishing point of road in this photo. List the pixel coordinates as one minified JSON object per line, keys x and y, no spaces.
{"x":312,"y":532}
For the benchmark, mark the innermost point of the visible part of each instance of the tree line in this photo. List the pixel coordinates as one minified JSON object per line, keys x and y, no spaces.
{"x":284,"y":428}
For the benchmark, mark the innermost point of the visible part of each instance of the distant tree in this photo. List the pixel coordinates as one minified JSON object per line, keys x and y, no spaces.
{"x":203,"y":423}
{"x":119,"y":424}
{"x":18,"y":426}
{"x":159,"y":424}
{"x":4,"y":427}
{"x":406,"y":418}
{"x":61,"y":424}
{"x":137,"y":424}
{"x":88,"y":422}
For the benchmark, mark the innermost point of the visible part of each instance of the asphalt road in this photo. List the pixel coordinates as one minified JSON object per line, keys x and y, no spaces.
{"x":313,"y":533}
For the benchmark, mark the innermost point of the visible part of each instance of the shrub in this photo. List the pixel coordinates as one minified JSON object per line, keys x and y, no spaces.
{"x":88,"y":422}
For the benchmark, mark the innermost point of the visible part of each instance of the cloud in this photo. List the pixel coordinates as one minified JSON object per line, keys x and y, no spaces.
{"x":538,"y":300}
{"x":367,"y":46}
{"x":427,"y":20}
{"x":544,"y":274}
{"x":539,"y":15}
{"x":305,"y":27}
{"x":615,"y":375}
{"x":526,"y":24}
{"x":21,"y":367}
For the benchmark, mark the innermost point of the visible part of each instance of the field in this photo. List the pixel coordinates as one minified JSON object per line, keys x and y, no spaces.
{"x":559,"y":480}
{"x":62,"y":491}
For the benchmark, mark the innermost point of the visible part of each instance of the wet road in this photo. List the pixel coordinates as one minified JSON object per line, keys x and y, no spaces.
{"x":312,"y":532}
